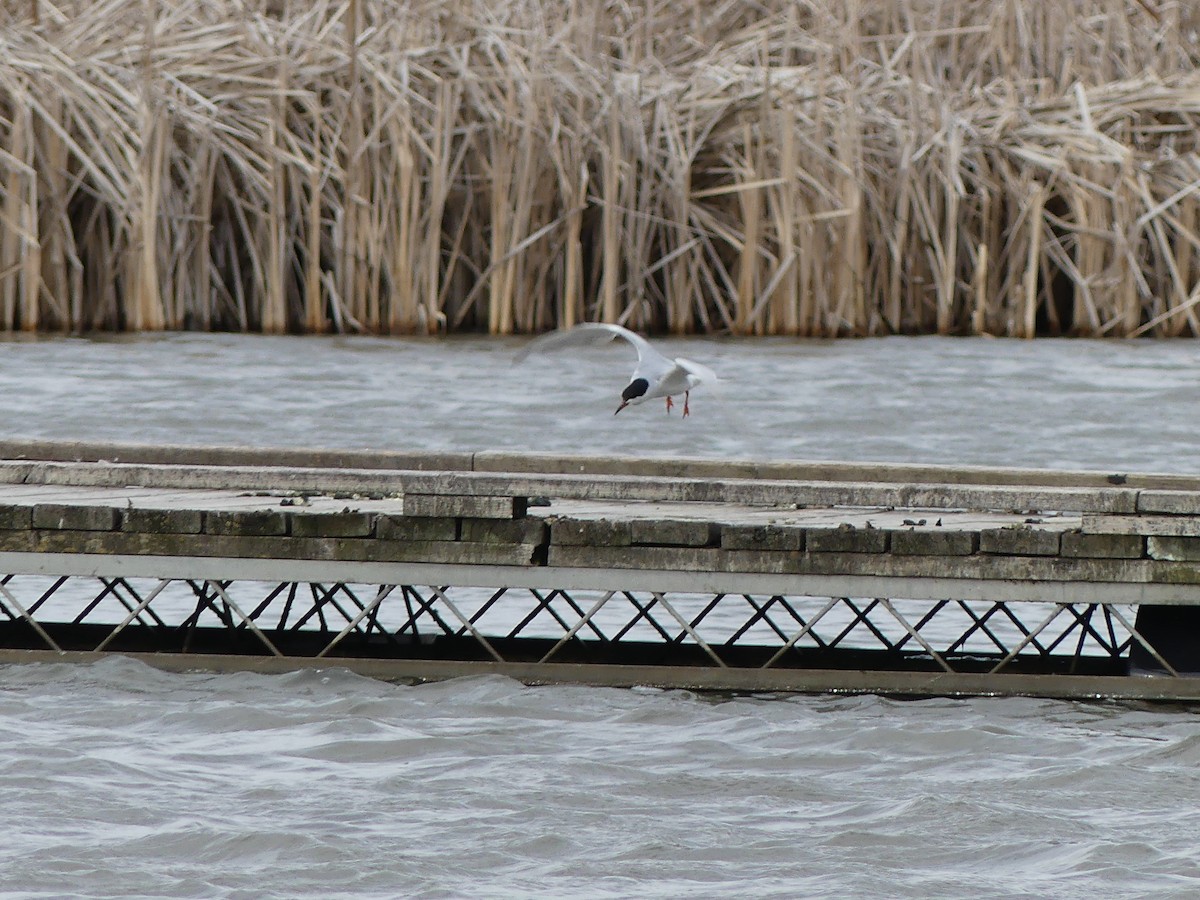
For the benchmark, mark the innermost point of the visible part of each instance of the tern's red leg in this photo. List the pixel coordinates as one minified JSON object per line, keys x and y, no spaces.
{"x":669,"y":404}
{"x":685,"y":406}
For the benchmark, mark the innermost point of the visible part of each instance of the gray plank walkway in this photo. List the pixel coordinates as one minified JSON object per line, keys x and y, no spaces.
{"x":788,"y":546}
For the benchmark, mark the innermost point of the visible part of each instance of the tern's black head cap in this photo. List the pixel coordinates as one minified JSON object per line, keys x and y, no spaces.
{"x":636,"y":388}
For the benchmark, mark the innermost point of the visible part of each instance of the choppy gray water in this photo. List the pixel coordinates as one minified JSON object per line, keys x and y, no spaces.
{"x":117,"y":780}
{"x":1129,"y":405}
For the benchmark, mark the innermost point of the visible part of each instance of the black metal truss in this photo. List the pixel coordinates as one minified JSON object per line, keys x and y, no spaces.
{"x":339,"y":620}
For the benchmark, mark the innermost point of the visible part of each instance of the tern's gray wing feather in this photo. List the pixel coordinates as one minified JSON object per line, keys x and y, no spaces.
{"x":700,"y":374}
{"x":650,"y":361}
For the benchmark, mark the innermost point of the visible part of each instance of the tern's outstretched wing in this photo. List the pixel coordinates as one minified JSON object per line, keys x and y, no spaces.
{"x":700,"y":374}
{"x":590,"y":333}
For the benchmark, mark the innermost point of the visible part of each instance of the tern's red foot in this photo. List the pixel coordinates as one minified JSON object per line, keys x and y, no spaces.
{"x":686,"y":411}
{"x":669,"y":405}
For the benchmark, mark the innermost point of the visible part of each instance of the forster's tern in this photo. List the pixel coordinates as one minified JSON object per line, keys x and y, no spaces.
{"x":655,"y":375}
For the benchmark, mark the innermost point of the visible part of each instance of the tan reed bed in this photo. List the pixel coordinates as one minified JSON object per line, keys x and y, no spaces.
{"x":831,"y":167}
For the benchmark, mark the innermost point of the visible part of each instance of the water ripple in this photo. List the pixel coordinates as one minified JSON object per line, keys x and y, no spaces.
{"x":323,"y":783}
{"x":120,"y":780}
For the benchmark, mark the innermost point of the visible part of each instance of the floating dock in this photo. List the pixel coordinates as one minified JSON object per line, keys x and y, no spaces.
{"x":704,"y":574}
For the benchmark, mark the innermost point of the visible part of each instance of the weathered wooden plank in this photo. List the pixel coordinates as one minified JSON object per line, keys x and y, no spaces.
{"x":18,"y":541}
{"x":1184,"y":503}
{"x":15,"y":472}
{"x":996,"y":568}
{"x":246,"y":522}
{"x":846,"y":539}
{"x":424,"y":528}
{"x":1177,"y":525}
{"x":504,"y":531}
{"x":1020,"y":540}
{"x":675,"y":533}
{"x":818,"y":470}
{"x":762,"y":492}
{"x":591,"y":532}
{"x":928,"y":542}
{"x":800,"y":516}
{"x":762,"y":537}
{"x":467,"y":553}
{"x":129,"y":452}
{"x":16,"y":517}
{"x":75,"y":495}
{"x":1120,"y":546}
{"x":20,"y":453}
{"x":331,"y":524}
{"x":1173,"y":548}
{"x":70,"y":516}
{"x":169,"y":521}
{"x":474,"y":506}
{"x":777,"y":493}
{"x":232,"y":546}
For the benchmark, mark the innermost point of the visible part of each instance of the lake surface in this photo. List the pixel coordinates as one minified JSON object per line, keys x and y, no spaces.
{"x":1058,"y":403}
{"x":118,"y":780}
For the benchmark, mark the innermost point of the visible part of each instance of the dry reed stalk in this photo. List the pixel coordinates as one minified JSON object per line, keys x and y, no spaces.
{"x":638,"y":196}
{"x":1187,"y":226}
{"x":316,"y":320}
{"x":1172,"y":253}
{"x":979,"y":285}
{"x":749,"y":196}
{"x":405,"y":165}
{"x":1033,"y":260}
{"x":145,"y":312}
{"x":848,"y":288}
{"x":679,"y":245}
{"x":501,"y":162}
{"x":1127,"y":304}
{"x":785,"y":306}
{"x":947,"y":280}
{"x":1092,"y":251}
{"x":274,"y":313}
{"x":610,"y":219}
{"x":60,"y":267}
{"x":444,"y":165}
{"x":31,"y":257}
{"x":988,"y":235}
{"x":899,"y":239}
{"x":15,"y":236}
{"x":404,"y":298}
{"x":573,"y":180}
{"x":351,"y":222}
{"x":197,"y":264}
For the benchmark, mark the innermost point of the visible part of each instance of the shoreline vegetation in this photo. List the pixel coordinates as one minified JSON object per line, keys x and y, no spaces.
{"x":825,"y":168}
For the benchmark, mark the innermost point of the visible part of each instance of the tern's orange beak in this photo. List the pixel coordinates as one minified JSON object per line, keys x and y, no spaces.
{"x":624,"y":403}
